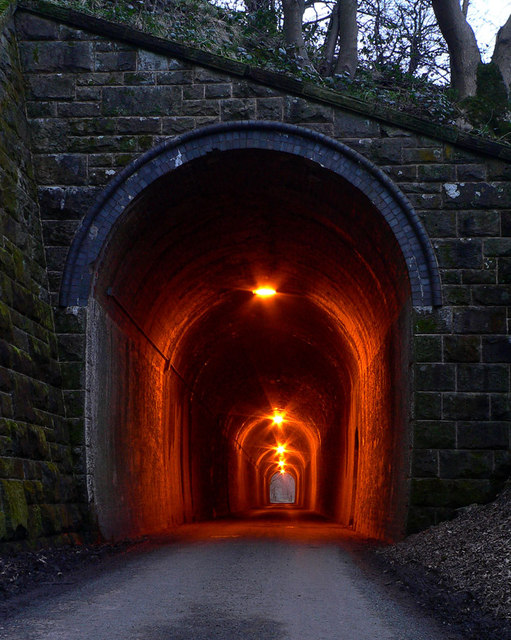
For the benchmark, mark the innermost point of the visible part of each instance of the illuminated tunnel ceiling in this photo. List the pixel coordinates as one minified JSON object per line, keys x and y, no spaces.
{"x":181,"y":266}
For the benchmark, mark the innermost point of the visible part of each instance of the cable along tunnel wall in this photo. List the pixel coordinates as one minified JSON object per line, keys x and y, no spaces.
{"x":186,"y":366}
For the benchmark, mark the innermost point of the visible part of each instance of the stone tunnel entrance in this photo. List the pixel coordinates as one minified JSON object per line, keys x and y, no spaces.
{"x":200,"y":391}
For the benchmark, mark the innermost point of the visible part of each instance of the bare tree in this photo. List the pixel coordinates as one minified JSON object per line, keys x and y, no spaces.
{"x":502,"y":53}
{"x":259,"y":5}
{"x":293,"y":11}
{"x":347,"y":60}
{"x":341,"y":36}
{"x":402,"y":35}
{"x":463,"y":50}
{"x":464,"y":53}
{"x":409,"y":36}
{"x":421,"y":46}
{"x":331,"y":39}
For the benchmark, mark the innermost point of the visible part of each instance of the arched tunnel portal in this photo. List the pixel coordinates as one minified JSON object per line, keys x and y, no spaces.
{"x":188,"y":370}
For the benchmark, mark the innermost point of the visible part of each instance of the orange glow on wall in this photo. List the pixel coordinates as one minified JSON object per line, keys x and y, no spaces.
{"x":196,"y":386}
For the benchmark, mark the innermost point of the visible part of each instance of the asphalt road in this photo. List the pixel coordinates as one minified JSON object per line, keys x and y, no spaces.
{"x":277,"y":576}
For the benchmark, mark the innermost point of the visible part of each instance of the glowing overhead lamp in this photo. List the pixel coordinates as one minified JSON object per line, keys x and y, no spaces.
{"x":264,"y":292}
{"x":277,"y":418}
{"x":280,"y":449}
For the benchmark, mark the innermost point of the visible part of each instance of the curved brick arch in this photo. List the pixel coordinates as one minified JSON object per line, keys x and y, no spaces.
{"x":332,"y":155}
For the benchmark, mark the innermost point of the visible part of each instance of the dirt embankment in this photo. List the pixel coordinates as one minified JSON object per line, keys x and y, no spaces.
{"x":462,"y":569}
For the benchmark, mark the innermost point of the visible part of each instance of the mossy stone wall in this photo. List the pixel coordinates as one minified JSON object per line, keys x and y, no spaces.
{"x":38,"y":496}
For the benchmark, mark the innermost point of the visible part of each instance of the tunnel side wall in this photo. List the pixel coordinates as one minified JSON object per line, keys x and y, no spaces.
{"x":155,"y":458}
{"x":244,"y":483}
{"x":39,"y":498}
{"x":95,"y":104}
{"x":134,"y":422}
{"x":380,"y":501}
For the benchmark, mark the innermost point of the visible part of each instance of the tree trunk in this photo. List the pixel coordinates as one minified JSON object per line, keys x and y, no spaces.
{"x":463,"y":50}
{"x":502,"y":53}
{"x":332,"y":36}
{"x":293,"y":36}
{"x":348,"y":38}
{"x":415,"y":55}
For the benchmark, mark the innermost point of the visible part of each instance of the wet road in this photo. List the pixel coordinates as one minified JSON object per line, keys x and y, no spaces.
{"x":282,"y":575}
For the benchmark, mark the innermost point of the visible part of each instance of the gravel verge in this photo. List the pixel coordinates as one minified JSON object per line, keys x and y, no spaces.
{"x":461,"y":569}
{"x":23,"y":573}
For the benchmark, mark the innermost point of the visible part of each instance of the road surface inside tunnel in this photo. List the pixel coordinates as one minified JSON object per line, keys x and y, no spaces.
{"x":279,"y":574}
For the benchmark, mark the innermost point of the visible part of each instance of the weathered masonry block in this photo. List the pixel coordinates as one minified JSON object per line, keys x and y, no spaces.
{"x":38,"y":492}
{"x":79,"y":102}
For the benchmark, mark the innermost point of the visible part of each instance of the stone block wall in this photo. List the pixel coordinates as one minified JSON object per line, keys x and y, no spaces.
{"x":38,"y":495}
{"x":95,"y":104}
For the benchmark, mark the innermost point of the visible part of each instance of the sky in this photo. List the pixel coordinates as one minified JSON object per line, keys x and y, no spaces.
{"x":486,"y":17}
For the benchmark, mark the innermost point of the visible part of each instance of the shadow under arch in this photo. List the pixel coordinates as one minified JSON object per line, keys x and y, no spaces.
{"x":180,"y":354}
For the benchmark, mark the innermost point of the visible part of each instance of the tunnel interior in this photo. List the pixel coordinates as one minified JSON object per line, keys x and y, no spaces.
{"x":200,"y":391}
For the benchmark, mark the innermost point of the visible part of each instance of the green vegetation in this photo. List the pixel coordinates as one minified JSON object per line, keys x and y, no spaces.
{"x":489,"y":110}
{"x":4,"y":4}
{"x":194,"y":22}
{"x":4,"y":13}
{"x":15,"y":504}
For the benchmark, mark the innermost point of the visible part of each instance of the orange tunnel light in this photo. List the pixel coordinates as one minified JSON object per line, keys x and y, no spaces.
{"x":277,"y":418}
{"x":264,"y":292}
